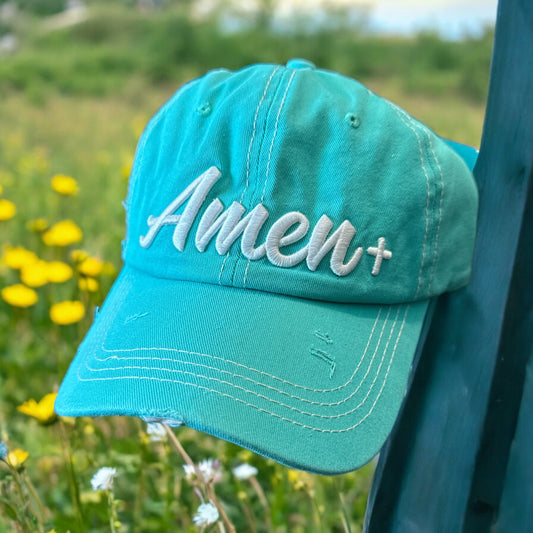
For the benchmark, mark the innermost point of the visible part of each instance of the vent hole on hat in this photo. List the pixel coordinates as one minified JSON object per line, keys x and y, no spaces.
{"x":353,"y":120}
{"x":204,"y":109}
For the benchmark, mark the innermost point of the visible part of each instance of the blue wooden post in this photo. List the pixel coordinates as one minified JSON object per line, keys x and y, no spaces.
{"x":459,"y":456}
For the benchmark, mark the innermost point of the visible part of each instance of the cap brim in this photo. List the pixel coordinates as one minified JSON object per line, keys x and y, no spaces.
{"x":314,"y":385}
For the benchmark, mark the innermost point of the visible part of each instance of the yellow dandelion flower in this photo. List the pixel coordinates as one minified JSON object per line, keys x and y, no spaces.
{"x":88,"y":285}
{"x":43,"y":410}
{"x":34,"y":274}
{"x":65,"y":185}
{"x":37,"y":225}
{"x":67,"y":312}
{"x":58,"y":272}
{"x":293,"y":476}
{"x":17,"y":256}
{"x":1,"y":189}
{"x":7,"y":209}
{"x":77,"y":256}
{"x":108,"y":269}
{"x":92,"y":266}
{"x":63,"y":233}
{"x":16,"y":457}
{"x":19,"y":295}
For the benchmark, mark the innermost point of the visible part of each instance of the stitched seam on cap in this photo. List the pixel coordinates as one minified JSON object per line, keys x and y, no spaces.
{"x":255,"y":370}
{"x":354,"y":426}
{"x":272,"y":400}
{"x":270,"y":157}
{"x":403,"y":117}
{"x":436,"y":252}
{"x":254,"y":131}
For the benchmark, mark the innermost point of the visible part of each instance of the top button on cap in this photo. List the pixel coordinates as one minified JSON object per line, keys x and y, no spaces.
{"x":300,"y":64}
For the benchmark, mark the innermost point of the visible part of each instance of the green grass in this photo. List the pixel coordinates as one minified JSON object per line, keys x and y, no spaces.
{"x":101,"y":54}
{"x":74,"y":103}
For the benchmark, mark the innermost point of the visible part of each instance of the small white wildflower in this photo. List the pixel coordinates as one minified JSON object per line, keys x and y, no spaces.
{"x":190,"y":471}
{"x":103,"y":479}
{"x":205,"y":515}
{"x":244,"y":471}
{"x":207,"y":470}
{"x":156,"y":431}
{"x":210,"y":470}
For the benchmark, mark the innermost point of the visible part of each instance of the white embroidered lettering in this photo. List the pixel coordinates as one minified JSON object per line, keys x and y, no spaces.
{"x":340,"y":241}
{"x":230,"y":225}
{"x":276,"y":238}
{"x":207,"y":179}
{"x":197,"y":199}
{"x":249,"y":238}
{"x":380,"y":253}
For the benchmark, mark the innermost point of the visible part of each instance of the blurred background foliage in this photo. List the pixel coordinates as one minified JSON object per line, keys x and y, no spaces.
{"x":114,"y":42}
{"x":78,"y":82}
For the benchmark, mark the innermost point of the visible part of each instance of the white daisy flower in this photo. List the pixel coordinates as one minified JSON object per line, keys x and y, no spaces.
{"x":103,"y":479}
{"x":156,"y":431}
{"x":207,"y":470}
{"x":190,"y":471}
{"x":205,"y":515}
{"x":210,"y":470}
{"x":244,"y":471}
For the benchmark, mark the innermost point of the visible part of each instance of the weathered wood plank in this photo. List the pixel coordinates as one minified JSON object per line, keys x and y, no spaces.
{"x":438,"y":472}
{"x":516,"y":510}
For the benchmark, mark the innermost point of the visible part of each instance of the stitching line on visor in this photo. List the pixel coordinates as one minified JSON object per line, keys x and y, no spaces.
{"x":265,"y":410}
{"x":282,"y":392}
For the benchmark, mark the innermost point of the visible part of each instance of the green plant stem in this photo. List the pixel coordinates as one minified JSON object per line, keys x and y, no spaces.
{"x":36,"y":498}
{"x":112,"y":511}
{"x":212,"y":496}
{"x":344,"y":515}
{"x":249,"y":516}
{"x":208,"y":487}
{"x":262,"y":498}
{"x":73,"y":484}
{"x":137,"y":509}
{"x":179,"y":447}
{"x":316,"y":513}
{"x":169,"y":496}
{"x":24,"y":500}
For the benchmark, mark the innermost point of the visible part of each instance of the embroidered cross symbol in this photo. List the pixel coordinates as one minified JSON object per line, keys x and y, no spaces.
{"x":379,"y":253}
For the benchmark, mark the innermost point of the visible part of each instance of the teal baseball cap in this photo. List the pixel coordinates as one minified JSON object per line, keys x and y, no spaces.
{"x":286,"y":230}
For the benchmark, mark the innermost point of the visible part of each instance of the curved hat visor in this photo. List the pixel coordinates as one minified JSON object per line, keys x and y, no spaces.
{"x":311,"y":384}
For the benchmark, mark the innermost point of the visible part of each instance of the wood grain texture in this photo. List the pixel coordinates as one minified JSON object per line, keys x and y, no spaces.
{"x":443,"y":468}
{"x":516,"y":510}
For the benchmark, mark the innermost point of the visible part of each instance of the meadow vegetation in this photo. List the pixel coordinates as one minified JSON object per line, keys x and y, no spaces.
{"x":73,"y":103}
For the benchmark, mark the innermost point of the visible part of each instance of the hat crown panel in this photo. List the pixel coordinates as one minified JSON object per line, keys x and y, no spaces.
{"x":314,"y":143}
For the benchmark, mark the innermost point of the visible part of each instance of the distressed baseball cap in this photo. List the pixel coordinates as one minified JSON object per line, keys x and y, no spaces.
{"x":286,"y":231}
